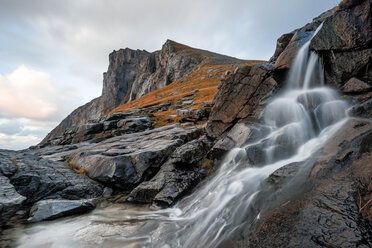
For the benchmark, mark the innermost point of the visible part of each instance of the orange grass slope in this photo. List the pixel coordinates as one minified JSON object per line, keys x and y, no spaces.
{"x":201,"y":84}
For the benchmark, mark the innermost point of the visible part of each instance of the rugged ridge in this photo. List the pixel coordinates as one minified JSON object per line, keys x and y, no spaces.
{"x":133,"y":73}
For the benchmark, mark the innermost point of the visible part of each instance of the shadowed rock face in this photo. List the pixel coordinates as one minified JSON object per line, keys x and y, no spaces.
{"x":241,"y":94}
{"x":345,"y":45}
{"x":133,"y":73}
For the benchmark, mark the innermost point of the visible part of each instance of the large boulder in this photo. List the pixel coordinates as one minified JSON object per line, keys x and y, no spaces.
{"x":363,"y":110}
{"x":189,"y":154}
{"x":348,"y":28}
{"x":86,"y":132}
{"x":127,"y":160}
{"x":285,"y":59}
{"x":281,"y":45}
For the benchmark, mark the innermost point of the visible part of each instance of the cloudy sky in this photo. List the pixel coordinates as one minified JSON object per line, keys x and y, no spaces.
{"x":53,"y":53}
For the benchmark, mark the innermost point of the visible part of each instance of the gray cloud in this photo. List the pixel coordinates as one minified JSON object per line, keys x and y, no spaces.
{"x":11,"y":127}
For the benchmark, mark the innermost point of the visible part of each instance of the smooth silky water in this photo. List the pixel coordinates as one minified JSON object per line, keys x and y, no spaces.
{"x":300,"y":120}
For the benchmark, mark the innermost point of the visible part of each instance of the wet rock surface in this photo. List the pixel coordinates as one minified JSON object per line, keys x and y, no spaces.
{"x":363,"y":110}
{"x":243,"y":132}
{"x":37,"y":178}
{"x":177,"y":176}
{"x":52,"y":209}
{"x":323,"y":202}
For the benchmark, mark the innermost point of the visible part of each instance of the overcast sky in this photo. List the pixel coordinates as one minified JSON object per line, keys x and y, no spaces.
{"x":53,"y":53}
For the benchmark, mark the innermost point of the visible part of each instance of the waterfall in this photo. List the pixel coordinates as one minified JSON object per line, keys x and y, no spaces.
{"x":300,"y":120}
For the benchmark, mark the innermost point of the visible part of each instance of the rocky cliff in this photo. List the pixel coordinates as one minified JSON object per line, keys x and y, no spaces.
{"x":133,"y":73}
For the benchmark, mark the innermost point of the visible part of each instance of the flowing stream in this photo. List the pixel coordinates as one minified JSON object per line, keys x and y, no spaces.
{"x":297,"y":122}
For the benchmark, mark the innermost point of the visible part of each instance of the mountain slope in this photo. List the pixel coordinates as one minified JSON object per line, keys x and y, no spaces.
{"x":133,"y":73}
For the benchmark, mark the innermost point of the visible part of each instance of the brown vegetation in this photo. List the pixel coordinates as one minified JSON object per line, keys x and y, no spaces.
{"x":203,"y":82}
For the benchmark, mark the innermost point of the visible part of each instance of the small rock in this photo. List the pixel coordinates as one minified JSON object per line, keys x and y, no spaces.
{"x":108,"y":125}
{"x":355,"y":85}
{"x":183,"y":112}
{"x":165,"y":104}
{"x":52,"y":209}
{"x":107,"y":191}
{"x":135,"y":124}
{"x":174,"y":93}
{"x":190,"y":102}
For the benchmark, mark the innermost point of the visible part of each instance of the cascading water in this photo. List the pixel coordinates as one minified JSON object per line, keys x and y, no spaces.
{"x":299,"y":121}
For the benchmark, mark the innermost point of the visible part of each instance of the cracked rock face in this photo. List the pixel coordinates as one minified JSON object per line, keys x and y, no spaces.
{"x":179,"y":174}
{"x":127,"y":160}
{"x":241,"y":94}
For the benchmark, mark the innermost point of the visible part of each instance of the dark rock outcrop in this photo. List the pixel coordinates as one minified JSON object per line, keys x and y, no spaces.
{"x":345,"y":45}
{"x":241,"y":94}
{"x":178,"y":175}
{"x":103,"y":128}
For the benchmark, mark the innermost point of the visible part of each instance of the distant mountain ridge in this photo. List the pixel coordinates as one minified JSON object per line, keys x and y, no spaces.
{"x":133,"y":73}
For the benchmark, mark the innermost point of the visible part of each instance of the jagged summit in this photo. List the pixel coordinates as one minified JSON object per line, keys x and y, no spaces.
{"x":133,"y":73}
